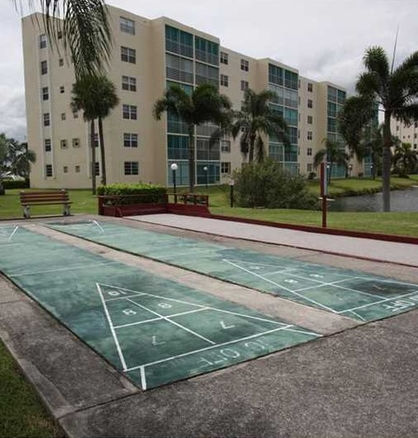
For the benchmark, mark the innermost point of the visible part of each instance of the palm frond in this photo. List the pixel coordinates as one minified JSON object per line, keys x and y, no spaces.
{"x":377,"y":62}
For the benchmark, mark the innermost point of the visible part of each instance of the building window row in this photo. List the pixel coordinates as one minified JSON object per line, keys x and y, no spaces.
{"x":129,"y":112}
{"x":127,"y":25}
{"x":128,"y":83}
{"x":128,"y":55}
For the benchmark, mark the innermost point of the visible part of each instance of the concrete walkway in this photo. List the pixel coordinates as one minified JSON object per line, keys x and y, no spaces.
{"x":393,"y":252}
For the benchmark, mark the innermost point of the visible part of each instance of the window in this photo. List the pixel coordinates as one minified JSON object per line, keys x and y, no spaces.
{"x":63,"y":116}
{"x":62,"y":89}
{"x":309,"y":167}
{"x":397,"y":128}
{"x":310,"y":103}
{"x":76,"y":142}
{"x":225,"y":146}
{"x":131,"y":167}
{"x":128,"y":83}
{"x":130,"y":140}
{"x":206,"y":74}
{"x":129,"y":112}
{"x":179,"y":69}
{"x":65,"y":169}
{"x":309,"y":135}
{"x":97,"y":168}
{"x":225,"y":167}
{"x":244,"y":85}
{"x":244,"y":65}
{"x":64,"y":144}
{"x":61,"y":62}
{"x":206,"y":51}
{"x":75,"y":114}
{"x":42,"y":41}
{"x":96,"y":140}
{"x":127,"y":26}
{"x":47,"y":120}
{"x":128,"y":55}
{"x":45,"y":93}
{"x":48,"y":170}
{"x":59,"y":34}
{"x":310,"y":87}
{"x":44,"y":67}
{"x":77,"y":169}
{"x":310,"y":120}
{"x":177,"y":41}
{"x":224,"y":80}
{"x":224,"y":58}
{"x":309,"y":152}
{"x":47,"y":145}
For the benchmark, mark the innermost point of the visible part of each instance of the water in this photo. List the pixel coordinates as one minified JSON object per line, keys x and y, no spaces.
{"x":401,"y":200}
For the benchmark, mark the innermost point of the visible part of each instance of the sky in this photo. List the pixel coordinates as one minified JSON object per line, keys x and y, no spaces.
{"x":324,"y":39}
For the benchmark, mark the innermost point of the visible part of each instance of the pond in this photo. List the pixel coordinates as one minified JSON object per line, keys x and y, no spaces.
{"x":401,"y":200}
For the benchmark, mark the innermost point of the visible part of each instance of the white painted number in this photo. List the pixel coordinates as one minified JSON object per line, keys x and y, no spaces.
{"x":129,"y":312}
{"x":155,"y":342}
{"x":226,"y":327}
{"x":290,"y":281}
{"x":165,"y":305}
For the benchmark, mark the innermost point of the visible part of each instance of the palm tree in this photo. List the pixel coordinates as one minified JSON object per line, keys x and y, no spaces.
{"x":85,"y":30}
{"x":257,"y":119}
{"x":395,"y":91}
{"x":372,"y":145}
{"x":3,"y":159}
{"x":333,"y":153}
{"x":203,"y":105}
{"x":404,"y":159}
{"x":106,"y":101}
{"x":20,"y":158}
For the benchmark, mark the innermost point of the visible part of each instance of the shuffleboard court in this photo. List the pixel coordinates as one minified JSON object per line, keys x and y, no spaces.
{"x":153,"y":330}
{"x":350,"y":293}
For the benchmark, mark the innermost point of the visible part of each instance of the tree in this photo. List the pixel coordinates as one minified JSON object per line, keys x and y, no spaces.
{"x":85,"y":30}
{"x":404,"y":159}
{"x":3,"y":159}
{"x":20,"y":158}
{"x":372,"y":145}
{"x":257,"y":119}
{"x":95,"y":96}
{"x":203,"y":105}
{"x":333,"y":153}
{"x":395,"y":91}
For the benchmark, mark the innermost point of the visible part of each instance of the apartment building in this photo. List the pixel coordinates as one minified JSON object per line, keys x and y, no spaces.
{"x":407,"y":133}
{"x":147,"y":57}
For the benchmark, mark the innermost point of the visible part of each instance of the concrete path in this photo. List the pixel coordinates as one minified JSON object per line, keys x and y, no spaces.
{"x":393,"y":252}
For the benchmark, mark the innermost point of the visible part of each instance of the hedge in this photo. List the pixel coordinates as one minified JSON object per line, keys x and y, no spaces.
{"x":148,"y":193}
{"x":19,"y":184}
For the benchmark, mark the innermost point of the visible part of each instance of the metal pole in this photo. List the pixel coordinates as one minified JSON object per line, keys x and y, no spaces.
{"x":175,"y":188}
{"x":231,"y":195}
{"x":324,"y":194}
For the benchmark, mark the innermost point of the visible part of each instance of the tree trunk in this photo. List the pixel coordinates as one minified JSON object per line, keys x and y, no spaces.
{"x":2,"y":191}
{"x":386,"y":161}
{"x":102,"y":151}
{"x":93,"y":158}
{"x":191,"y":158}
{"x":251,"y":149}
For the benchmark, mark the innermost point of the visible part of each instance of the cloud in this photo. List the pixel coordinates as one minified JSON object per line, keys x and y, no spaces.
{"x":13,"y":113}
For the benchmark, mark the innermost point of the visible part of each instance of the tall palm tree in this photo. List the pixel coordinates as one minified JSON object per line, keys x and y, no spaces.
{"x":85,"y":30}
{"x":4,"y":147}
{"x":396,"y":93}
{"x":203,"y":105}
{"x":405,"y":160}
{"x":254,"y":121}
{"x":372,"y":145}
{"x":107,"y":99}
{"x":86,"y":97}
{"x":333,"y":153}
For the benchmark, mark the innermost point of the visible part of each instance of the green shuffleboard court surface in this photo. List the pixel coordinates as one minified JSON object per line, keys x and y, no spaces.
{"x":350,"y":293}
{"x":153,"y":330}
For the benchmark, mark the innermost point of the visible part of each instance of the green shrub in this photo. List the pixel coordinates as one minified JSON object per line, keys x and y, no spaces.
{"x":11,"y":184}
{"x":147,"y":193}
{"x":268,"y":185}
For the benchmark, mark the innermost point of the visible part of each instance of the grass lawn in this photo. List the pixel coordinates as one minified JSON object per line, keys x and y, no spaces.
{"x":21,"y":412}
{"x":390,"y":223}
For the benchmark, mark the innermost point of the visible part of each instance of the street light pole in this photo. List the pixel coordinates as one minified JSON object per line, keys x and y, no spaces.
{"x":231,"y":192}
{"x":174,"y":167}
{"x":206,"y":172}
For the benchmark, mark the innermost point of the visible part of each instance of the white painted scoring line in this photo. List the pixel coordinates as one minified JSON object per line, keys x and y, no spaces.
{"x":173,"y":322}
{"x":64,"y":269}
{"x":109,"y":320}
{"x":280,"y":286}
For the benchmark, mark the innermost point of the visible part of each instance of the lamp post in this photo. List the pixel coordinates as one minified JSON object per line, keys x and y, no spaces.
{"x":350,"y":170}
{"x":231,"y":191}
{"x":206,"y":172}
{"x":173,"y":168}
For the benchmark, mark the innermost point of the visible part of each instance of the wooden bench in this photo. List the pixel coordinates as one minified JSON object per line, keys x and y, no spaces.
{"x":52,"y":197}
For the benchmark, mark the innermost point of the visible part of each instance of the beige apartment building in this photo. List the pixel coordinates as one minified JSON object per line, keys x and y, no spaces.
{"x":147,"y":57}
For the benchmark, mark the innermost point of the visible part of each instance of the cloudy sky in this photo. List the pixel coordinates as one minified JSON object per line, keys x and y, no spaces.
{"x":324,"y":39}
